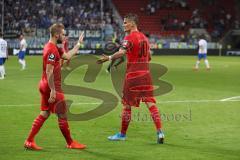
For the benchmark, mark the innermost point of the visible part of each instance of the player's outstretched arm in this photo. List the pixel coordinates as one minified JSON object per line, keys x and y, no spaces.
{"x":73,"y":51}
{"x":121,"y":52}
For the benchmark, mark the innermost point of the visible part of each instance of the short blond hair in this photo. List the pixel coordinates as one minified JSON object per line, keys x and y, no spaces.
{"x":132,"y":17}
{"x":56,"y":28}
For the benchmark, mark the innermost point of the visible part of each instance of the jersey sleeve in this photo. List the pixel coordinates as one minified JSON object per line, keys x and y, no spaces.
{"x":127,"y":43}
{"x":51,"y":57}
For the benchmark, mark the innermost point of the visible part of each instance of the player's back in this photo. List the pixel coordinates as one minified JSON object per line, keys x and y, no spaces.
{"x":138,"y":54}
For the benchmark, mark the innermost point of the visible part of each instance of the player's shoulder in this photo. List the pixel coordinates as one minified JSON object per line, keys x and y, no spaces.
{"x":202,"y":41}
{"x":2,"y":40}
{"x":132,"y":36}
{"x":23,"y":40}
{"x":127,"y":37}
{"x":134,"y":33}
{"x":127,"y":40}
{"x":49,"y":47}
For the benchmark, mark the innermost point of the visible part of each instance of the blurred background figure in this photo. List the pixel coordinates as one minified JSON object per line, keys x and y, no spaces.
{"x":22,"y":51}
{"x":202,"y":52}
{"x":3,"y":56}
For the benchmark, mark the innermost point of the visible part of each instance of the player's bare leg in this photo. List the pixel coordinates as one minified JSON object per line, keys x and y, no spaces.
{"x":2,"y":74}
{"x":197,"y":65}
{"x":23,"y":63}
{"x":126,"y":118}
{"x":36,"y":126}
{"x":207,"y":64}
{"x":157,"y":121}
{"x":64,"y":127}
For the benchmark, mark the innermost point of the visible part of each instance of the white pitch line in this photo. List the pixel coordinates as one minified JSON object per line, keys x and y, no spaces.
{"x":160,"y":102}
{"x":231,"y":98}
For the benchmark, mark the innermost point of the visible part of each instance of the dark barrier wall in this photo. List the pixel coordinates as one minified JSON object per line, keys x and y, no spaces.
{"x":215,"y":52}
{"x":38,"y":51}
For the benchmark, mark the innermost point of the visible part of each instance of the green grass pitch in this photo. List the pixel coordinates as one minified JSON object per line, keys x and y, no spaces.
{"x":198,"y":124}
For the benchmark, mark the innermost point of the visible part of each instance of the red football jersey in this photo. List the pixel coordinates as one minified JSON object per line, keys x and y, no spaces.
{"x":138,"y":52}
{"x":138,"y":83}
{"x":52,"y":55}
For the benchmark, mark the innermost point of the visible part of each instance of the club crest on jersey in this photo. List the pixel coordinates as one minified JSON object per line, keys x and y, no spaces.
{"x":51,"y":57}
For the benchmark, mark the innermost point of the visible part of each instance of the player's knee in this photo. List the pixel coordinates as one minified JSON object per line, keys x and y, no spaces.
{"x":62,"y":115}
{"x":149,"y":104}
{"x":45,"y":114}
{"x":126,"y":107}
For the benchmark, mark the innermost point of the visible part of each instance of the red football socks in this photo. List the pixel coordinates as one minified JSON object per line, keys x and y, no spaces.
{"x":63,"y":125}
{"x":37,"y":124}
{"x":155,"y":116}
{"x":126,"y":118}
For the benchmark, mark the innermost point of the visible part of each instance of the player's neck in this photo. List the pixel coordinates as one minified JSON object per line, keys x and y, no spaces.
{"x":134,"y":30}
{"x":52,"y":40}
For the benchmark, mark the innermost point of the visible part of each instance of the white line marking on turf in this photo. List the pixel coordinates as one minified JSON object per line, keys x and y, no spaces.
{"x":231,"y":99}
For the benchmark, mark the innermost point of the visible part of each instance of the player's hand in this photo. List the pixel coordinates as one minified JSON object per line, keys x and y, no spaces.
{"x":66,"y":39}
{"x":103,"y":59}
{"x":52,"y":97}
{"x":81,"y":36}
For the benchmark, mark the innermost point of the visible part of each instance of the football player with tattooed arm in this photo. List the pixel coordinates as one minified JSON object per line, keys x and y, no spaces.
{"x":138,"y":83}
{"x":52,"y":96}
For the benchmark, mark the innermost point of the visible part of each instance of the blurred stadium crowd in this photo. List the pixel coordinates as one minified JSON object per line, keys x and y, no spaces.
{"x":27,"y":16}
{"x":31,"y":14}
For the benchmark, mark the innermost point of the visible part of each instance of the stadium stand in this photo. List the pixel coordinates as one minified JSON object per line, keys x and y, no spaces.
{"x":175,"y":17}
{"x":31,"y":14}
{"x":170,"y":20}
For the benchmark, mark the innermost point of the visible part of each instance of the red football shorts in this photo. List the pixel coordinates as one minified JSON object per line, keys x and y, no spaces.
{"x":58,"y":107}
{"x":138,"y":87}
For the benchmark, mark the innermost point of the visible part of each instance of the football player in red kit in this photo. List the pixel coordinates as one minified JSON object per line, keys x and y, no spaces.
{"x":52,"y":97}
{"x":138,"y":83}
